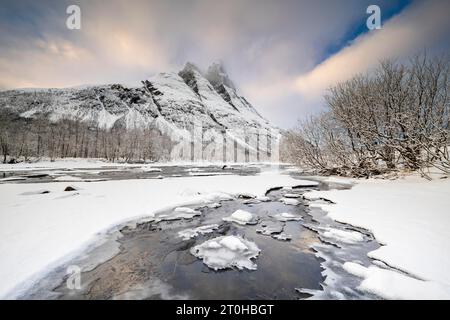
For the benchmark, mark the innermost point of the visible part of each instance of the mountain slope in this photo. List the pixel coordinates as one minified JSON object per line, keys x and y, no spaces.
{"x":187,"y":105}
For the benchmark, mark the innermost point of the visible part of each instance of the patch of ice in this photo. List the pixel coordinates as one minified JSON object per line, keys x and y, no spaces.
{"x":178,"y":213}
{"x":342,"y":235}
{"x":291,"y":202}
{"x":192,"y":233}
{"x":269,"y":227}
{"x":263,"y":198}
{"x":286,"y":216}
{"x":13,"y":179}
{"x":214,"y":205}
{"x":292,"y":195}
{"x":227,"y":252}
{"x":205,"y":174}
{"x":242,"y":217}
{"x":251,"y":201}
{"x":151,"y":169}
{"x":68,"y":178}
{"x":282,"y":236}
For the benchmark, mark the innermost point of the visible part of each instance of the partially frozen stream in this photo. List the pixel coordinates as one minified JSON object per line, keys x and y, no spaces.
{"x":151,"y":259}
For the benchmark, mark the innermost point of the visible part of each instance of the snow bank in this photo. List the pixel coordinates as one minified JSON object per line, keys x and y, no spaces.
{"x":39,"y":230}
{"x":394,"y":285}
{"x":242,"y":217}
{"x":410,"y":216}
{"x":227,"y":252}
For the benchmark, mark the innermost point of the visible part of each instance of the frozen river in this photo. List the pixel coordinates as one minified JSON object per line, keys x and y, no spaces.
{"x":300,"y":251}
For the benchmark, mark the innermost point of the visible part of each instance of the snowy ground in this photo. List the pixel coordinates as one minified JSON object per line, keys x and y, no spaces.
{"x":411,"y":218}
{"x":41,"y":224}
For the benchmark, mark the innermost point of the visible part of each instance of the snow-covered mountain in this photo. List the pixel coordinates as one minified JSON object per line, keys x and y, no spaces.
{"x":188,"y":106}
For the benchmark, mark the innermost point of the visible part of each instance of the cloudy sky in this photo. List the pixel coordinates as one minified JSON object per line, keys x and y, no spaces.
{"x":281,"y":54}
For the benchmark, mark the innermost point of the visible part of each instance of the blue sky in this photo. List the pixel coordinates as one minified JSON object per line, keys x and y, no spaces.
{"x":282,"y":54}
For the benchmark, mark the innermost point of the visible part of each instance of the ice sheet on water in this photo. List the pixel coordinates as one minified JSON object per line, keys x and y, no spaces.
{"x":251,"y":201}
{"x":13,"y":179}
{"x":68,"y":178}
{"x":151,"y":169}
{"x":342,"y":235}
{"x":192,"y":233}
{"x":270,"y":227}
{"x":178,"y":213}
{"x":291,"y":202}
{"x":227,"y":252}
{"x":214,"y":205}
{"x":286,"y":216}
{"x":242,"y":217}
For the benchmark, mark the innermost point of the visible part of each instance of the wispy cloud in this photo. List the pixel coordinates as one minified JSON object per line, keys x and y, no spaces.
{"x":424,"y":25}
{"x":271,"y":48}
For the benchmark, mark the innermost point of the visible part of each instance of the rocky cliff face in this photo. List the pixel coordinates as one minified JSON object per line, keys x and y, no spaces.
{"x":188,"y":106}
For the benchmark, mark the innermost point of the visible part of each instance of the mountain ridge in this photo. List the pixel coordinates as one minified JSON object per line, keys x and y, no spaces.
{"x":175,"y":103}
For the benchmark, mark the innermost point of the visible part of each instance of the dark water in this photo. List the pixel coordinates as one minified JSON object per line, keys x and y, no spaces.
{"x":124,"y":173}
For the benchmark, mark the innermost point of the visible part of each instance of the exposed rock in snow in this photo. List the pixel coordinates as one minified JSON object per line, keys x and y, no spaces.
{"x":285,"y":216}
{"x":227,"y":252}
{"x":242,"y":217}
{"x":192,"y":233}
{"x":292,"y":202}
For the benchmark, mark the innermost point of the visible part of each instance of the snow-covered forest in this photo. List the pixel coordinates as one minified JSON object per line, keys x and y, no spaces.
{"x":23,"y":139}
{"x":396,"y":117}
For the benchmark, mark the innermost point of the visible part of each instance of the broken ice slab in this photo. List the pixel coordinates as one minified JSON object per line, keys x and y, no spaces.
{"x":270,"y":227}
{"x":227,"y":252}
{"x":178,"y":213}
{"x":292,"y":202}
{"x":242,"y":217}
{"x":193,"y":233}
{"x":286,"y":216}
{"x":282,"y":236}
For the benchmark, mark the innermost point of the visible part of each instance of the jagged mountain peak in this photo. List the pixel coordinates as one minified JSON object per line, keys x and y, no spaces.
{"x":189,"y":67}
{"x":218,"y":76}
